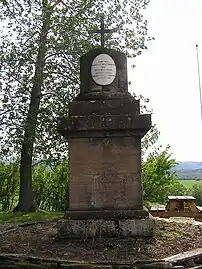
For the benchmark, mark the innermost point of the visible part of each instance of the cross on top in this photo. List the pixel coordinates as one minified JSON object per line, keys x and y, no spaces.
{"x":102,"y":31}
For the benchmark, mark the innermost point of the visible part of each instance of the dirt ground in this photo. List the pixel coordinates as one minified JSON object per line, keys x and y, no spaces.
{"x":172,"y":237}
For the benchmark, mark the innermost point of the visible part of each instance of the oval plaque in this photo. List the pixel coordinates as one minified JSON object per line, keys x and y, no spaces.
{"x":103,"y":69}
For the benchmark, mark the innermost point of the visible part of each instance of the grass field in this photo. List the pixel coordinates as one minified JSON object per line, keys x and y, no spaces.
{"x":189,"y":183}
{"x":9,"y":217}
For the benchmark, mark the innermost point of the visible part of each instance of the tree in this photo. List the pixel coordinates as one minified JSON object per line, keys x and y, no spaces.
{"x":158,"y":178}
{"x":149,"y":140}
{"x":40,"y":46}
{"x":196,"y":191}
{"x":26,"y":201}
{"x":9,"y":182}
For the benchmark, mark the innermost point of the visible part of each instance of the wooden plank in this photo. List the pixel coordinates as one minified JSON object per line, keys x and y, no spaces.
{"x":188,"y":255}
{"x":19,"y":261}
{"x":199,"y":208}
{"x":158,"y":208}
{"x":190,"y":198}
{"x":181,"y":198}
{"x":184,"y":214}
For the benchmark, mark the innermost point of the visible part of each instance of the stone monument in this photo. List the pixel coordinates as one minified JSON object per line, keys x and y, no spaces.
{"x":104,"y":131}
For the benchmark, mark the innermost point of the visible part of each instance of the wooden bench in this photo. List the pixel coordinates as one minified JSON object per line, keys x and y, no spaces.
{"x":178,"y":206}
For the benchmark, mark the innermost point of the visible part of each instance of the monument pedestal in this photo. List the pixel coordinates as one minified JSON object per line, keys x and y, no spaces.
{"x":104,"y":131}
{"x":102,"y":228}
{"x":106,"y":223}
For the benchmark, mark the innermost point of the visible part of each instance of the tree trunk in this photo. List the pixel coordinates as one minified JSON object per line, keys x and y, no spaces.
{"x":26,"y":200}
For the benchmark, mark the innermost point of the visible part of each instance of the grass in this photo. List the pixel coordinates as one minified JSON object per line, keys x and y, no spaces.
{"x":189,"y":183}
{"x":10,"y":217}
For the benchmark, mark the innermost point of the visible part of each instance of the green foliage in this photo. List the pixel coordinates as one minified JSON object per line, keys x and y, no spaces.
{"x":149,"y":140}
{"x":9,"y":217}
{"x":158,"y":180}
{"x":9,"y":184}
{"x":50,"y":187}
{"x":40,"y":44}
{"x":66,"y":41}
{"x":49,"y":184}
{"x":196,"y":191}
{"x":177,"y":188}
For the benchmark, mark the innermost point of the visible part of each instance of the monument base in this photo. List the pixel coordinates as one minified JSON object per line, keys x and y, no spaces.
{"x":135,"y":223}
{"x":107,"y":214}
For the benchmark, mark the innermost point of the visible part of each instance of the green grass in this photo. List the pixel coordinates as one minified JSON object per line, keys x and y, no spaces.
{"x":189,"y":183}
{"x":10,"y":217}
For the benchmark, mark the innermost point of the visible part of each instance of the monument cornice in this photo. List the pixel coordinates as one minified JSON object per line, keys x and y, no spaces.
{"x":125,"y":123}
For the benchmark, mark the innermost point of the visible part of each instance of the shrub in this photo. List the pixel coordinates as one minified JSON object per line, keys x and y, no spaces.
{"x":9,"y":185}
{"x":50,"y":186}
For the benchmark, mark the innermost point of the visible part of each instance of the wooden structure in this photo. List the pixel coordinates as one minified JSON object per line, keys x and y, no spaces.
{"x":178,"y":206}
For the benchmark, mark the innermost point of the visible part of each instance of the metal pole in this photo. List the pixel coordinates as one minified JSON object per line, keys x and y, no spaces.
{"x":199,"y":78}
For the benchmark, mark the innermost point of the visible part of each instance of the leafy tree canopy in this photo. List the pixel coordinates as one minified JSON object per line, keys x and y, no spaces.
{"x":158,"y":179}
{"x":67,"y":24}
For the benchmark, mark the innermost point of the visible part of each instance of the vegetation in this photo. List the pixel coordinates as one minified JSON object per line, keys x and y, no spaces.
{"x":188,"y":183}
{"x":49,"y":186}
{"x":50,"y":183}
{"x":158,"y":179}
{"x":40,"y":47}
{"x":10,"y":217}
{"x":196,"y":191}
{"x":9,"y":185}
{"x":190,"y":174}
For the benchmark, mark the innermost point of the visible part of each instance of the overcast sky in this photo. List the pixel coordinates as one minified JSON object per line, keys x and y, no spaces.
{"x":167,"y":74}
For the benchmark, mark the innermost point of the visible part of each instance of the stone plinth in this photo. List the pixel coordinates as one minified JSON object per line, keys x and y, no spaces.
{"x":101,"y":228}
{"x":104,"y":131}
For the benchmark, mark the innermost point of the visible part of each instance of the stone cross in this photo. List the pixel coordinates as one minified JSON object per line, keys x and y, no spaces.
{"x":102,"y":31}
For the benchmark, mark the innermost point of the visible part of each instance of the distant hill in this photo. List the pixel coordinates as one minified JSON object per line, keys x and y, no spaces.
{"x":189,"y":170}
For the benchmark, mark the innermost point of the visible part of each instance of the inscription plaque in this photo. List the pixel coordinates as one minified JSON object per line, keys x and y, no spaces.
{"x":103,"y":69}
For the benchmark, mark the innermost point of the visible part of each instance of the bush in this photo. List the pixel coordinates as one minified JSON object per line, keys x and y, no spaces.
{"x":158,"y":179}
{"x":196,"y":191}
{"x":9,"y":185}
{"x":50,"y":186}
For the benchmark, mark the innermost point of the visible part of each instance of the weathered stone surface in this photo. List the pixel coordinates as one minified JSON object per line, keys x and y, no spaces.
{"x":106,"y":228}
{"x":107,"y":214}
{"x":86,"y":228}
{"x":137,"y":227}
{"x":90,"y":90}
{"x":105,"y":173}
{"x":105,"y":123}
{"x":104,"y":131}
{"x":110,"y":107}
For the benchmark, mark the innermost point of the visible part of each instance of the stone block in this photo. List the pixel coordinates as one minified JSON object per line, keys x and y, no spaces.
{"x":103,"y":123}
{"x":120,"y":83}
{"x":83,"y":229}
{"x":104,"y":107}
{"x":86,"y":228}
{"x":137,"y":227}
{"x":107,"y":214}
{"x":105,"y":174}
